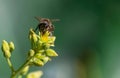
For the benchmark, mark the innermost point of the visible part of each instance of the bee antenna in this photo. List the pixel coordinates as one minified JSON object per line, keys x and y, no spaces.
{"x":38,"y":18}
{"x":54,"y":20}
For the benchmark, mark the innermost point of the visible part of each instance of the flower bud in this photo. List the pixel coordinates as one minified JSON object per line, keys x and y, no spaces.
{"x":51,"y":52}
{"x":41,"y":51}
{"x":31,"y":53}
{"x":30,"y":32}
{"x":25,"y":70}
{"x":39,"y":44}
{"x":12,"y":47}
{"x":6,"y":49}
{"x":38,"y":55}
{"x":7,"y":54}
{"x":37,"y":62}
{"x":36,"y":74}
{"x":5,"y":46}
{"x":45,"y":59}
{"x":32,"y":36}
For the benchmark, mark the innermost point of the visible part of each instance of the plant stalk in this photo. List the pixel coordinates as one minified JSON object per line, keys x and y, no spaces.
{"x":14,"y":74}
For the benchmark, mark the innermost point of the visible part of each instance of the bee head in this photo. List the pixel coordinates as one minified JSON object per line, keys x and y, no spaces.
{"x":46,"y":21}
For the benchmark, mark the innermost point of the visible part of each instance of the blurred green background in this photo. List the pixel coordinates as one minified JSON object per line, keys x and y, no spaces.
{"x":88,"y":36}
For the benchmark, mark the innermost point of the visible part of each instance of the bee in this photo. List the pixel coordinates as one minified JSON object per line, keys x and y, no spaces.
{"x":45,"y":24}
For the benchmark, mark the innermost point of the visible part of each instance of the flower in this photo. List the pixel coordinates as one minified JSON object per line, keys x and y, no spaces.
{"x":44,"y":37}
{"x":41,"y":47}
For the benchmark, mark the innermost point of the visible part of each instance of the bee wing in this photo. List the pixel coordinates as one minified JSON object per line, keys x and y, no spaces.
{"x":38,"y":18}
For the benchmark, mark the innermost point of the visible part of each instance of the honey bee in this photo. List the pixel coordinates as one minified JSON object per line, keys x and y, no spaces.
{"x":45,"y":25}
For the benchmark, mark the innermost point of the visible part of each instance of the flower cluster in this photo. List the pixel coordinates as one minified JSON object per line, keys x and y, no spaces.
{"x":39,"y":54}
{"x":7,"y":48}
{"x":41,"y":48}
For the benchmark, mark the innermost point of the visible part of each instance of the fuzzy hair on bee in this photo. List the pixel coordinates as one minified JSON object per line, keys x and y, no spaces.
{"x":45,"y":24}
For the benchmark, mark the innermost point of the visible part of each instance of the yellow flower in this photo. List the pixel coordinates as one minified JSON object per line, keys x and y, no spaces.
{"x":35,"y":74}
{"x":51,"y":40}
{"x":44,"y":37}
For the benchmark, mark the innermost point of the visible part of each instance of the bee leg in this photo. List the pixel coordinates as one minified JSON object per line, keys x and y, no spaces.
{"x":36,"y":28}
{"x":51,"y":34}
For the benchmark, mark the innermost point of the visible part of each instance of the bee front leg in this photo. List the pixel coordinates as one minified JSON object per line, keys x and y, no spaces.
{"x":36,"y":28}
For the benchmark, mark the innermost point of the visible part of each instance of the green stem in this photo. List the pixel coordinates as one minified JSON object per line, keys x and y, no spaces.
{"x":14,"y":75}
{"x":10,"y":65}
